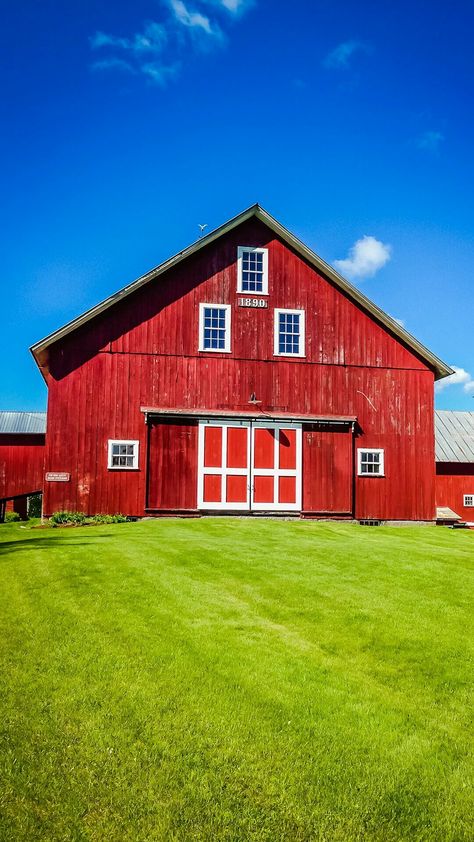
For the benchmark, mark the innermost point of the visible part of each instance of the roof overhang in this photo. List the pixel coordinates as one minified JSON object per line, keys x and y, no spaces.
{"x":441,"y":369}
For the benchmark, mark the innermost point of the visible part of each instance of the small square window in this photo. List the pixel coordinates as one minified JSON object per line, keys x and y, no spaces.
{"x":469,"y":500}
{"x":214,"y":327}
{"x":123,"y":455}
{"x":371,"y":462}
{"x":289,"y":333}
{"x":252,"y":270}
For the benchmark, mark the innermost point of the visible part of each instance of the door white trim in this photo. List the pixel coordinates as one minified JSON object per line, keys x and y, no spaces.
{"x":276,"y":472}
{"x":250,"y":472}
{"x":223,"y":471}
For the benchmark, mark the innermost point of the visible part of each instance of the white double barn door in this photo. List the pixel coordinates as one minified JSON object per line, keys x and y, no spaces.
{"x":249,"y":466}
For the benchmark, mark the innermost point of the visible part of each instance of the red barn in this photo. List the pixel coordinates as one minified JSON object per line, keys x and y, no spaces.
{"x":242,"y":375}
{"x":455,"y":463}
{"x":22,"y":437}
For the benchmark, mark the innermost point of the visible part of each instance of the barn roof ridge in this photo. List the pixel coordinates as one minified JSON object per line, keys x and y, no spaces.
{"x":441,"y":369}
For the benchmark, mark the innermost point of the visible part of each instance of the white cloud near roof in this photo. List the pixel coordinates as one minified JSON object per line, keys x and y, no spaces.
{"x":340,"y":57}
{"x":460,"y":377}
{"x":365,"y":258}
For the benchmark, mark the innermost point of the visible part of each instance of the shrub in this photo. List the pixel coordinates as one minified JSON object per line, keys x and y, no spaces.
{"x":11,"y":517}
{"x":117,"y":518}
{"x":77,"y":518}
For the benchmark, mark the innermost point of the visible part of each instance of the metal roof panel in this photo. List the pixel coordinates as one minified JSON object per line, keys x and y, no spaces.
{"x":454,"y":436}
{"x":13,"y":422}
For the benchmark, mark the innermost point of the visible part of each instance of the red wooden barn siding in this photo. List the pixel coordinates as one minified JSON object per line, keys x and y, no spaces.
{"x":453,"y":481}
{"x":143,"y":352}
{"x":21,"y":464}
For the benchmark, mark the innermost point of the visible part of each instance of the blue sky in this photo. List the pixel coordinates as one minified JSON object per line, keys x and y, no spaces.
{"x":125,"y":125}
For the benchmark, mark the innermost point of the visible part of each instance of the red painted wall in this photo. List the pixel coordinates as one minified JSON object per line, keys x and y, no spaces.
{"x":453,"y":480}
{"x":143,"y":352}
{"x":21,"y":464}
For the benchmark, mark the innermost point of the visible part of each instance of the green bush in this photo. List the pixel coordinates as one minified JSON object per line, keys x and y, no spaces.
{"x":77,"y":518}
{"x":11,"y":517}
{"x":117,"y":518}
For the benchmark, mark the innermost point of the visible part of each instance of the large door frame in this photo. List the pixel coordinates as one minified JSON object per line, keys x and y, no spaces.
{"x":223,"y":471}
{"x":250,"y":471}
{"x":277,"y":472}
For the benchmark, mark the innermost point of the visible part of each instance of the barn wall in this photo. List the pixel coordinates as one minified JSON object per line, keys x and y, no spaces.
{"x":21,"y":464}
{"x":143,"y":352}
{"x":453,"y":480}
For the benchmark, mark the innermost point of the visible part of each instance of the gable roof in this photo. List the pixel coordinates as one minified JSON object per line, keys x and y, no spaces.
{"x":454,"y":436}
{"x":22,"y":422}
{"x":441,"y":369}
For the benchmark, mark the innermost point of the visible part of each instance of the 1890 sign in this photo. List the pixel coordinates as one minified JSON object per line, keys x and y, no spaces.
{"x":259,"y":303}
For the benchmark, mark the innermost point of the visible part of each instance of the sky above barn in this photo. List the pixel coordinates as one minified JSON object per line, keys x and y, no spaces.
{"x":127,"y":125}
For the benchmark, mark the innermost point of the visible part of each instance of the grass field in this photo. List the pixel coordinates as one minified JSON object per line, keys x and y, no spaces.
{"x":236,"y":680}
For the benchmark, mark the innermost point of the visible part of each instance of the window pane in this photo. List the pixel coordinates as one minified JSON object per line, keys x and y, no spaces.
{"x":214,"y":333}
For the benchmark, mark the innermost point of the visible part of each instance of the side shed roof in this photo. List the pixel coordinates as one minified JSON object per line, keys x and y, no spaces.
{"x":454,"y":435}
{"x":13,"y":422}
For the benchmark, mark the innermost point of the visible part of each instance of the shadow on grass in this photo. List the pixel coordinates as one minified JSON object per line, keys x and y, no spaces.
{"x":48,"y":542}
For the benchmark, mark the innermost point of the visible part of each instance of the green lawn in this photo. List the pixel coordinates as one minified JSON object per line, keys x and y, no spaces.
{"x":236,"y":680}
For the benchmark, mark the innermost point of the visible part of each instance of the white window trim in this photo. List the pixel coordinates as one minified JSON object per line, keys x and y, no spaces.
{"x":276,"y":332}
{"x":252,"y":293}
{"x":136,"y":445}
{"x":228,"y":323}
{"x":379,"y":450}
{"x":468,"y":505}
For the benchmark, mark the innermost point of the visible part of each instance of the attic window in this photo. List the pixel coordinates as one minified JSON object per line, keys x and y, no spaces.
{"x":469,"y":500}
{"x":252,"y":270}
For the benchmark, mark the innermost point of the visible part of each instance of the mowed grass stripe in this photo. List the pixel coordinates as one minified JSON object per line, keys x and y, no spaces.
{"x":236,"y":679}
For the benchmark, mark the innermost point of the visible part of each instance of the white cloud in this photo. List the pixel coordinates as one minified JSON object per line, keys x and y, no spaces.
{"x":400,"y":322}
{"x":430,"y":141}
{"x":460,"y":377}
{"x":158,"y":73}
{"x":191,"y":18}
{"x":151,"y":40}
{"x":113,"y":63}
{"x":235,"y":7}
{"x":365,"y":258}
{"x":160,"y":49}
{"x":341,"y":56}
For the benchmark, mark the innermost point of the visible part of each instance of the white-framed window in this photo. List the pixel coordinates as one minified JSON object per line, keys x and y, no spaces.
{"x":252,"y":270}
{"x":214,"y":327}
{"x":370,"y":462}
{"x":123,"y":454}
{"x":469,"y":500}
{"x":289,"y":333}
